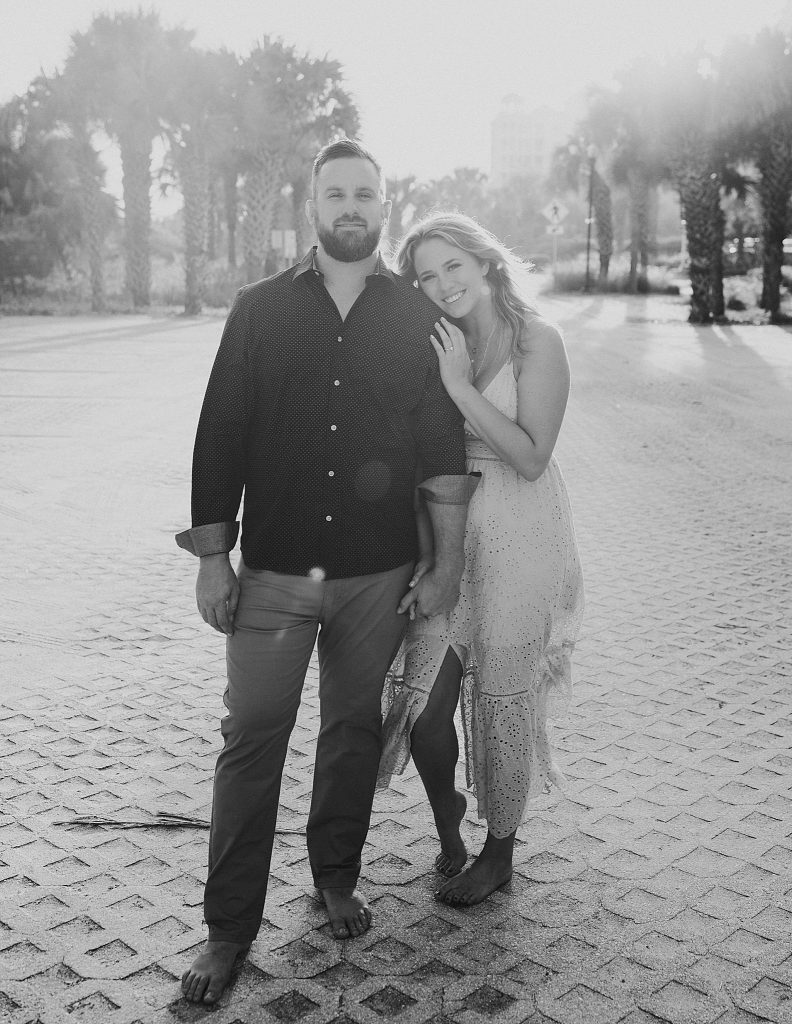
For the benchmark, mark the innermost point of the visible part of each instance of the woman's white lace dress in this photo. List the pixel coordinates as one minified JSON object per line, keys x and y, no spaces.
{"x":514,"y":630}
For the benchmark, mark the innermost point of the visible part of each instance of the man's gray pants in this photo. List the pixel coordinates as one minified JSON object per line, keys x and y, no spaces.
{"x":275,"y":628}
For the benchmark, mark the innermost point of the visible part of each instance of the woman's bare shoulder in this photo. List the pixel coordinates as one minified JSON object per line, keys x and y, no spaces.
{"x":539,"y":331}
{"x":541,"y":341}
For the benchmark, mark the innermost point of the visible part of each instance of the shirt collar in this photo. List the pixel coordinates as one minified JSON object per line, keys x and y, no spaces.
{"x":308,"y":263}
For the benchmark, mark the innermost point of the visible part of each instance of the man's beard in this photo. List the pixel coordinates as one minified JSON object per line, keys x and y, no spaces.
{"x":348,"y":246}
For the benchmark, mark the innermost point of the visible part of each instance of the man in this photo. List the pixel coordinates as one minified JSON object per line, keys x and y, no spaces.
{"x":324,"y":406}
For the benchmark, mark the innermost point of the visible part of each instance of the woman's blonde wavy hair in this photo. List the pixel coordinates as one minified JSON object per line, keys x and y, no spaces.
{"x":503,"y":274}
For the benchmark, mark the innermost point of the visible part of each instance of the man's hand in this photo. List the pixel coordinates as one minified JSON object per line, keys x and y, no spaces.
{"x":436,"y":593}
{"x":217,"y":592}
{"x":422,"y":567}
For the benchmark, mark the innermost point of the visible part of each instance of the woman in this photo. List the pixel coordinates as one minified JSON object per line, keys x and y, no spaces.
{"x":508,"y":642}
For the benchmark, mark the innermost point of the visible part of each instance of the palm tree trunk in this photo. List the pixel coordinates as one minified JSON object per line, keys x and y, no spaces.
{"x":212,"y":220}
{"x":648,"y":240}
{"x":639,"y":229}
{"x":260,"y":195}
{"x":301,"y":226}
{"x":700,"y":201}
{"x":89,"y":201}
{"x":716,"y":283}
{"x":603,"y":219}
{"x":698,"y":184}
{"x":194,"y":175}
{"x":90,"y":196}
{"x":136,"y":167}
{"x":231,"y":208}
{"x":775,"y":187}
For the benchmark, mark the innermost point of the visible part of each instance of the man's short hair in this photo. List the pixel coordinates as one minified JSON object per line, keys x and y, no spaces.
{"x":343,"y":149}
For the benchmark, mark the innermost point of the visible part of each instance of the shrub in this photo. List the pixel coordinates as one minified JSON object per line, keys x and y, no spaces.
{"x":23,"y":255}
{"x":570,"y":276}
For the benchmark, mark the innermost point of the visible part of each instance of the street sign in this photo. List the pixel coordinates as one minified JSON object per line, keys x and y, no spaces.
{"x":555,"y":211}
{"x":555,"y":229}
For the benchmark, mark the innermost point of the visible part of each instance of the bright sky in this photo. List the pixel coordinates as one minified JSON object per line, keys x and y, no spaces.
{"x":428,"y":75}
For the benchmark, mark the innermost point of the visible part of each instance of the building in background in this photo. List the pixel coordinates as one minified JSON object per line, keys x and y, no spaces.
{"x":523,"y":140}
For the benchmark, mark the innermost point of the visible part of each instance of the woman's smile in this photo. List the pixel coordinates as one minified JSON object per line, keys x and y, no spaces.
{"x":451,"y":277}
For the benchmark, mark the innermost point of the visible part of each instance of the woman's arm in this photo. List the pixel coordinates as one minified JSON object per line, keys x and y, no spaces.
{"x":542,"y":392}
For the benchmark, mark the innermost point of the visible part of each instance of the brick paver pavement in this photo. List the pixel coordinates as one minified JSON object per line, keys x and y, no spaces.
{"x":657,"y":888}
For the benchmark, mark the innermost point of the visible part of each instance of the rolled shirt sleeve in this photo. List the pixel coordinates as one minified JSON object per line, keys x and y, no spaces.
{"x":450,"y":489}
{"x":210,"y":539}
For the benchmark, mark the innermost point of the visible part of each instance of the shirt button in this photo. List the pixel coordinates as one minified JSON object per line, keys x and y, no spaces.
{"x":329,"y":519}
{"x":336,"y":382}
{"x":333,"y":426}
{"x":331,"y":472}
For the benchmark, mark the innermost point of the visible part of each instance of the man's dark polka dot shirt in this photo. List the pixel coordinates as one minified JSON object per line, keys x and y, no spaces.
{"x":325,"y":424}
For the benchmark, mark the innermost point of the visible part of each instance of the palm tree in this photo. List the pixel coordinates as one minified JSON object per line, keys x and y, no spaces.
{"x":756,"y":84}
{"x":194,"y":120}
{"x":31,"y":188}
{"x":571,"y":166}
{"x":64,"y":108}
{"x":224,"y":153}
{"x":698,"y":182}
{"x":51,"y":178}
{"x":464,"y":189}
{"x":619,"y":121}
{"x":514,"y":213}
{"x":599,"y":135}
{"x":287,"y":105}
{"x":340,"y":117}
{"x":677,"y":102}
{"x":123,"y":63}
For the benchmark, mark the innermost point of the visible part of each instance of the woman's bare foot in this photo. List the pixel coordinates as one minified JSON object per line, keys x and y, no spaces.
{"x":211,"y":970}
{"x":348,"y":911}
{"x":453,"y":854}
{"x":476,"y":883}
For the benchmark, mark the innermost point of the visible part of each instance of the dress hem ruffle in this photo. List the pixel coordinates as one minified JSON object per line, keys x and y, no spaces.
{"x":402,"y":704}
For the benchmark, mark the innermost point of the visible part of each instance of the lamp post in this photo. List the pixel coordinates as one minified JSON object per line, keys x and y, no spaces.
{"x":591,"y":154}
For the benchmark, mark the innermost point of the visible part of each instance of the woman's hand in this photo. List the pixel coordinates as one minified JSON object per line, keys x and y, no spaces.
{"x":456,"y":369}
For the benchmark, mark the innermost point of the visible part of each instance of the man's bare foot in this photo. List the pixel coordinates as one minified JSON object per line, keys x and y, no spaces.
{"x":348,"y":912}
{"x":453,"y":853}
{"x":211,"y":970}
{"x":476,"y":883}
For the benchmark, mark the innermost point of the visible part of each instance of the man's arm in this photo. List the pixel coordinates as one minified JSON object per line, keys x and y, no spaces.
{"x":446,"y":488}
{"x":446,"y":500}
{"x":218,"y":475}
